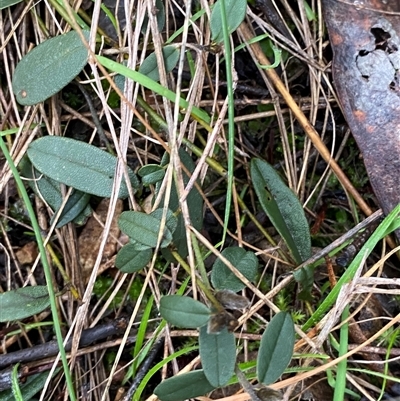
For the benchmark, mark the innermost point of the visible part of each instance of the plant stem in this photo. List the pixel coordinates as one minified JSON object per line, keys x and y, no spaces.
{"x":231,"y":117}
{"x":46,"y":267}
{"x":340,"y":386}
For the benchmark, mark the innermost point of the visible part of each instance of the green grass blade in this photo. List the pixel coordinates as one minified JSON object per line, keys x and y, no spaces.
{"x":46,"y":267}
{"x":231,"y":117}
{"x":340,"y":387}
{"x":141,"y":334}
{"x":152,"y":371}
{"x":151,"y":85}
{"x":383,"y":229}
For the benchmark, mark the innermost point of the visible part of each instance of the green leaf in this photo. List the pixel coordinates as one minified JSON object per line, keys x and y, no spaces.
{"x":184,"y":311}
{"x":49,"y":67}
{"x":171,"y":221}
{"x":235,"y":12}
{"x":130,"y":260}
{"x":8,"y":3}
{"x":151,"y":174}
{"x":194,"y":202}
{"x":149,"y":67}
{"x":78,"y":165}
{"x":29,"y":388}
{"x":160,"y":9}
{"x":76,"y":208}
{"x":218,"y":356}
{"x":222,"y":277}
{"x":183,"y":387}
{"x":23,"y":302}
{"x":143,"y":228}
{"x":283,"y":209}
{"x":152,"y":85}
{"x":43,"y":186}
{"x":276,"y":348}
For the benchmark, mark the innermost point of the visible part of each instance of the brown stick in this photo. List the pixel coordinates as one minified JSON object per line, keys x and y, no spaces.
{"x":302,"y":119}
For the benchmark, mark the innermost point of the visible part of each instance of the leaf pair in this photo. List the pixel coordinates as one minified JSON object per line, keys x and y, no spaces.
{"x":143,"y":230}
{"x":218,"y":351}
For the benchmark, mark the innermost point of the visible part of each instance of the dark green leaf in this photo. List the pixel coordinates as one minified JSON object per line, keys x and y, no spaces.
{"x":283,"y":208}
{"x":23,"y":302}
{"x":8,"y":3}
{"x":218,"y":356}
{"x":49,"y":67}
{"x":276,"y":348}
{"x":171,"y":221}
{"x":143,"y":228}
{"x":43,"y":186}
{"x":160,"y":9}
{"x":151,"y":174}
{"x":78,"y":165}
{"x":184,"y":311}
{"x":130,"y":260}
{"x":150,"y":68}
{"x":235,"y":12}
{"x":183,"y":387}
{"x":31,"y":386}
{"x":246,"y":262}
{"x":77,"y":207}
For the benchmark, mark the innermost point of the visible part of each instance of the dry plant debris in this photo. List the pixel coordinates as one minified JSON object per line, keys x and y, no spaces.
{"x":288,"y":116}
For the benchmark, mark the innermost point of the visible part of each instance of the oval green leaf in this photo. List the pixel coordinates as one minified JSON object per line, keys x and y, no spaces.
{"x":222,"y":277}
{"x":218,"y":356}
{"x":276,"y":348}
{"x":8,"y":3}
{"x":130,"y":260}
{"x":143,"y":228}
{"x":76,"y":208}
{"x":43,"y":186}
{"x":49,"y":67}
{"x":78,"y":165}
{"x":151,"y":174}
{"x":235,"y":11}
{"x":183,"y":387}
{"x":184,"y":311}
{"x":171,"y":221}
{"x":283,"y":209}
{"x":23,"y":302}
{"x":150,"y":68}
